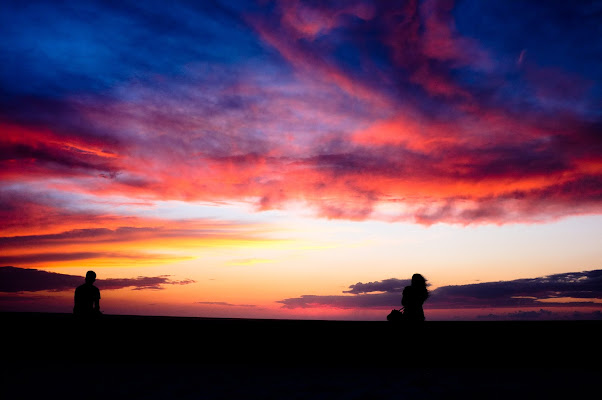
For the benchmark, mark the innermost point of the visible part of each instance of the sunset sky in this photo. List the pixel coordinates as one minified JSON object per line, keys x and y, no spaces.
{"x":302,"y":159}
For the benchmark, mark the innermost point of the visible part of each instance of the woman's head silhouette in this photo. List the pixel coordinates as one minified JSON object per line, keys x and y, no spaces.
{"x":419,"y":282}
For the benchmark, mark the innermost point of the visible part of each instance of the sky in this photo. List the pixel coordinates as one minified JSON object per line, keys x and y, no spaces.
{"x":302,"y":159}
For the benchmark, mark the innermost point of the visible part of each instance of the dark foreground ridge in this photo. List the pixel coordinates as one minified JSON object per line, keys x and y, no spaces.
{"x":115,"y":338}
{"x":164,"y":357}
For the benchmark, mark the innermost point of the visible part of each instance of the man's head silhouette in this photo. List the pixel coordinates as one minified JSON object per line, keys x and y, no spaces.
{"x":90,"y":277}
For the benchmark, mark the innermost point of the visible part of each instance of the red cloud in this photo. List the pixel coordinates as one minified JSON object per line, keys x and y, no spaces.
{"x":398,"y":140}
{"x":33,"y":152}
{"x":309,"y":21}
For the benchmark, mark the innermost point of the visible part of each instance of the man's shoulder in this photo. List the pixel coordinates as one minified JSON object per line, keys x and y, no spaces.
{"x":87,"y":287}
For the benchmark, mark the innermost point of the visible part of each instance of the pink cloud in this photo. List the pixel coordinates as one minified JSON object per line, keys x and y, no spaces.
{"x":309,"y":21}
{"x":344,"y":140}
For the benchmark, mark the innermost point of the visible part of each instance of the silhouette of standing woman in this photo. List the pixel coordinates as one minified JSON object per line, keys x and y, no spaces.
{"x":413,"y":297}
{"x":87,"y":298}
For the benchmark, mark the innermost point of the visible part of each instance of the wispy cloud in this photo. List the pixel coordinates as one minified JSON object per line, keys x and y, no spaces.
{"x":224,"y":304}
{"x":250,"y":261}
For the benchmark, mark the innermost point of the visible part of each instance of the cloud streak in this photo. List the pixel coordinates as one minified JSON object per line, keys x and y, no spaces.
{"x":224,"y":304}
{"x":46,"y":258}
{"x":42,"y":229}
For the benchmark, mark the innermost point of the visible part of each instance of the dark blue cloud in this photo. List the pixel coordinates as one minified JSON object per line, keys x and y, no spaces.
{"x":388,"y":285}
{"x":15,"y":280}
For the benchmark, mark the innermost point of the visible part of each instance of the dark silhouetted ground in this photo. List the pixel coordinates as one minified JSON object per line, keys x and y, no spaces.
{"x":196,"y":358}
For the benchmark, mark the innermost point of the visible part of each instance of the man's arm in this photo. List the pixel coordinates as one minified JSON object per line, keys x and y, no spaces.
{"x":97,"y":302}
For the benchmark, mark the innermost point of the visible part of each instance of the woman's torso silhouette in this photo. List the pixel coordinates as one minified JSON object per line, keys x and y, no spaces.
{"x":413,"y":297}
{"x":412,"y":301}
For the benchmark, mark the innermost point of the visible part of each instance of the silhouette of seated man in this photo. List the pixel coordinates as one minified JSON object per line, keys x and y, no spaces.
{"x":87,"y":298}
{"x":413,"y":297}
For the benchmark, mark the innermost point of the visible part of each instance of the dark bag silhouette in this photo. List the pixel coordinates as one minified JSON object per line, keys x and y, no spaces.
{"x":395,"y":315}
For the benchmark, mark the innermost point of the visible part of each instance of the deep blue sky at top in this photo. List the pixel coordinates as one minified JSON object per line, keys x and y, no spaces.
{"x":51,"y":49}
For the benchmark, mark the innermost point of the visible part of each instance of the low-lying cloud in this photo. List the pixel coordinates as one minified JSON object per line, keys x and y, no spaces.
{"x":571,"y":289}
{"x":17,"y":280}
